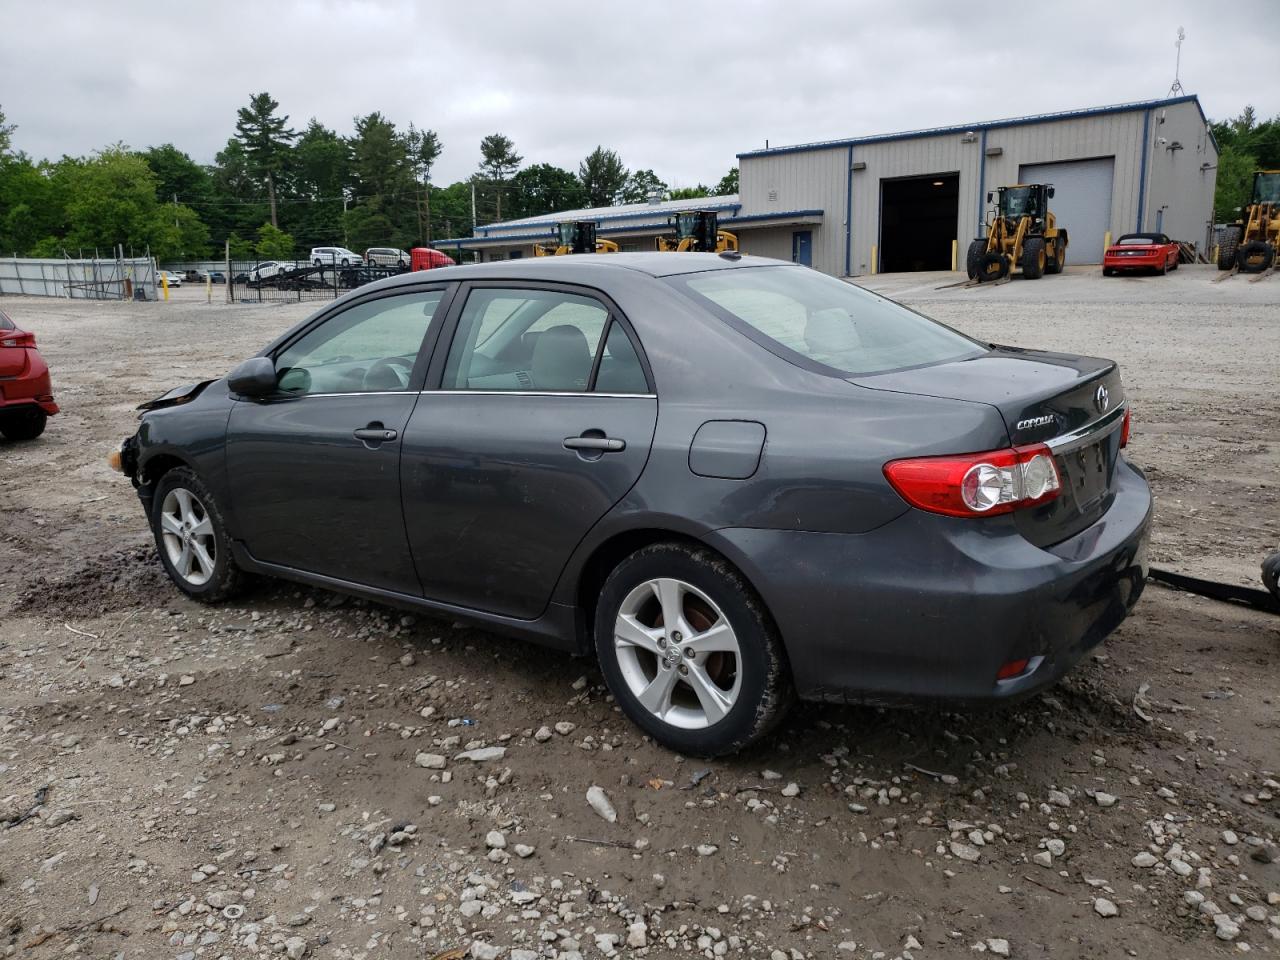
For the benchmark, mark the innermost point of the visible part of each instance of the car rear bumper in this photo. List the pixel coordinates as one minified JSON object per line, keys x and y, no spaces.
{"x":30,"y":389}
{"x":1133,"y":263}
{"x":932,"y":607}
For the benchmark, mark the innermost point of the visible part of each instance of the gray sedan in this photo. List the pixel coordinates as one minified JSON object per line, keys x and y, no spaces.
{"x":731,"y":479}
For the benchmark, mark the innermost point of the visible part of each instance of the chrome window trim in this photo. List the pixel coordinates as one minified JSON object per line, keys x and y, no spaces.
{"x":535,"y":393}
{"x":349,"y":393}
{"x":1082,"y":435}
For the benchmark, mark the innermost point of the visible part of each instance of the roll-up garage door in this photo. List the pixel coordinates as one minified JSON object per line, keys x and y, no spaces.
{"x":1081,"y":201}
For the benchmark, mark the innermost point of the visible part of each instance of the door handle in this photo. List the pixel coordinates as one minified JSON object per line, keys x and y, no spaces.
{"x":602,"y":444}
{"x":374,"y":434}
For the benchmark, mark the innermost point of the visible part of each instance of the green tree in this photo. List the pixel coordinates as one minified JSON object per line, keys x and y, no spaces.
{"x":321,"y":172}
{"x":240,"y":248}
{"x":177,"y":175}
{"x":266,"y":138}
{"x":424,"y":149}
{"x":452,"y":206}
{"x":545,"y":188}
{"x":6,"y":135}
{"x":498,"y":161}
{"x":274,"y":244}
{"x":178,"y":233}
{"x":690,"y":193}
{"x":1245,"y":144}
{"x":640,"y":185}
{"x":111,"y":199}
{"x":728,"y":184}
{"x":603,"y":177}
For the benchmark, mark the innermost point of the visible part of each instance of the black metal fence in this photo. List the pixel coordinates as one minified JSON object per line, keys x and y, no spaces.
{"x":275,"y":280}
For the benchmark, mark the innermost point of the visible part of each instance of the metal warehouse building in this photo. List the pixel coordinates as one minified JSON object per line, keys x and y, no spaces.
{"x":913,"y":201}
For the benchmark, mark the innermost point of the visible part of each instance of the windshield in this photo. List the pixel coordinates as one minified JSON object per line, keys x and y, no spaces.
{"x":1017,"y":202}
{"x":1141,"y":239}
{"x":803,"y":315}
{"x":1266,"y":188}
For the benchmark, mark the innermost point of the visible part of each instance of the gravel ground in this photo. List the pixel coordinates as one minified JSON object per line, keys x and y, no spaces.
{"x":296,"y":773}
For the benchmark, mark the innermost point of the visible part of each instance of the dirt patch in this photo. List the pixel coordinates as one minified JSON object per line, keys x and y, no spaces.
{"x":121,"y":580}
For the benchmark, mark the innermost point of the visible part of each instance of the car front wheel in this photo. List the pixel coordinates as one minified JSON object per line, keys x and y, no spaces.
{"x":689,"y":652}
{"x":191,"y":537}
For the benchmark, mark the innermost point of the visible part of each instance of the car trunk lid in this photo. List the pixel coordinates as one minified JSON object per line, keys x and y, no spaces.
{"x":1074,"y":404}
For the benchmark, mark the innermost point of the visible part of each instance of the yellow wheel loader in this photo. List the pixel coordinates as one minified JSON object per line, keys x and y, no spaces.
{"x":696,"y":231}
{"x":575,"y":236}
{"x":1250,"y":243}
{"x":1022,"y":233}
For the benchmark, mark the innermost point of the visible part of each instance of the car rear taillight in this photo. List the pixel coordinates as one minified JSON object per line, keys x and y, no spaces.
{"x":1124,"y":430}
{"x":19,"y":339}
{"x":977,"y":484}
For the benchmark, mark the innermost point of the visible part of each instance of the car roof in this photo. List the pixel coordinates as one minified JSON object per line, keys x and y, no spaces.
{"x":591,"y":268}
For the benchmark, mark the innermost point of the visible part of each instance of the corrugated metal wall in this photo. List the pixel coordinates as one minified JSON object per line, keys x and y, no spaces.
{"x":79,"y":279}
{"x":812,"y":180}
{"x":1176,"y":182}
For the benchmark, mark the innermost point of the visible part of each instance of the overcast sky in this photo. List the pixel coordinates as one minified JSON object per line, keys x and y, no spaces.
{"x":676,"y":87}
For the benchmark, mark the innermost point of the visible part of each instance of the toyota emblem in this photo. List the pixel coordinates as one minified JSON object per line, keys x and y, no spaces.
{"x":1102,"y":399}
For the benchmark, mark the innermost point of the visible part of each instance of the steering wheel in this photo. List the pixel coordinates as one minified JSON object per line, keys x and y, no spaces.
{"x":389,"y":373}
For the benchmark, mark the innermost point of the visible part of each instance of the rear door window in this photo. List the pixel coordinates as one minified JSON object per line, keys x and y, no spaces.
{"x":535,"y":340}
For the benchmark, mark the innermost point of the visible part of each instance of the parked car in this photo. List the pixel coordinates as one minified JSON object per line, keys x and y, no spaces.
{"x":193,"y":276}
{"x":217,"y":276}
{"x":335,"y":256}
{"x":26,"y":392}
{"x":1141,"y":251}
{"x":173,"y":279}
{"x":424,"y":258}
{"x":841,"y":498}
{"x":387,"y":257}
{"x":267,"y":270}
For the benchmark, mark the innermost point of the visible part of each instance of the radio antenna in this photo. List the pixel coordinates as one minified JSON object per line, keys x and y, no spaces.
{"x":1177,"y":69}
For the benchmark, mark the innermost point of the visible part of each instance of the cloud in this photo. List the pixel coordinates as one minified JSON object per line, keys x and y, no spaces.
{"x":679,"y":88}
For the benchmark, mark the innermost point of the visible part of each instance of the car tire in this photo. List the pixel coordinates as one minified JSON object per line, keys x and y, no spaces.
{"x":1108,"y":272}
{"x":346,"y":262}
{"x":182,"y":502}
{"x":1227,"y":249}
{"x":701,"y":701}
{"x":973,"y":258}
{"x":23,"y":423}
{"x":1271,"y":575}
{"x":1059,"y":259}
{"x":1033,"y":259}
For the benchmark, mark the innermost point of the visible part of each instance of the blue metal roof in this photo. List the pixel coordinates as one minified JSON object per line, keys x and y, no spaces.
{"x":975,"y":127}
{"x":728,"y":223}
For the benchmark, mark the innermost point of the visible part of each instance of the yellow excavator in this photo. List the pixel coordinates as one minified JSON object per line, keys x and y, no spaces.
{"x":696,"y":231}
{"x":1250,"y":243}
{"x":575,"y":236}
{"x":1022,"y":233}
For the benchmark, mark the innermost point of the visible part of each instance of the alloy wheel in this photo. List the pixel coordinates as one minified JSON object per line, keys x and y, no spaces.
{"x":188,"y":537}
{"x":678,"y":653}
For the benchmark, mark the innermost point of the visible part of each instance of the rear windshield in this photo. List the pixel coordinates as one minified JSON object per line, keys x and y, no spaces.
{"x":809,"y":317}
{"x":1142,"y":239}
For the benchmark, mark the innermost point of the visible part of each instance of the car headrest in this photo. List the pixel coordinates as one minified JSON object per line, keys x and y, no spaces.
{"x":561,"y":359}
{"x":830,"y":331}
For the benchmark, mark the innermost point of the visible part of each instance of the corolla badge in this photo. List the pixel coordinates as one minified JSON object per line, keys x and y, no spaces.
{"x":1032,"y":422}
{"x":1102,"y":399}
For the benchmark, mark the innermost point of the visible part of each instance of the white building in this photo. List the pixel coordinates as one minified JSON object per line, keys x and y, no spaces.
{"x":913,"y":201}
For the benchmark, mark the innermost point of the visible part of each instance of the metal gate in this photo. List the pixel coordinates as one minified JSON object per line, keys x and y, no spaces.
{"x":1081,"y":201}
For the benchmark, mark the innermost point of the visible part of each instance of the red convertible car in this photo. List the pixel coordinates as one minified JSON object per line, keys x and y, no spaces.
{"x":26,"y":396}
{"x":1140,"y":251}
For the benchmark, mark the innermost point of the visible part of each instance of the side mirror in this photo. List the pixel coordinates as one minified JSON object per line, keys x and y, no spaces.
{"x":256,"y":377}
{"x":1049,"y":193}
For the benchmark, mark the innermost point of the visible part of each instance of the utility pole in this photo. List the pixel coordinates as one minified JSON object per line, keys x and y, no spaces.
{"x":473,"y":206}
{"x":175,"y":211}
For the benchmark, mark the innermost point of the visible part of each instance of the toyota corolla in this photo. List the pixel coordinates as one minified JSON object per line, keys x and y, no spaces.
{"x":732,"y":480}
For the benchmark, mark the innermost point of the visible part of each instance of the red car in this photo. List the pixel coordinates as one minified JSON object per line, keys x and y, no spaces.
{"x":26,"y":395}
{"x":1140,"y":251}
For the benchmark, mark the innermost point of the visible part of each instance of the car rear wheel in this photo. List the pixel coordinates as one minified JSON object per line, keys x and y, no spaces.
{"x":192,"y":538}
{"x":689,"y":652}
{"x":24,"y":423}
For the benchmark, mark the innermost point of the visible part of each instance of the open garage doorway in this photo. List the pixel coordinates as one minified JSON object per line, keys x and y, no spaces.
{"x":918,"y":217}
